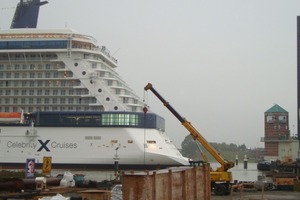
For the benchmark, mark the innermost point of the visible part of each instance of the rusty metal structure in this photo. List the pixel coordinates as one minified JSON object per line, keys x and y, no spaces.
{"x":178,"y":183}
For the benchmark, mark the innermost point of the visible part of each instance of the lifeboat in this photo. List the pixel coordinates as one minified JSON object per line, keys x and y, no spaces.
{"x":10,"y":117}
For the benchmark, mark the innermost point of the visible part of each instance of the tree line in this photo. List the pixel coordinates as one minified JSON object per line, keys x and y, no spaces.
{"x":192,"y":149}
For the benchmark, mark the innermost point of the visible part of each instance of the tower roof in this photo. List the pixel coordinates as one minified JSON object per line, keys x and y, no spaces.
{"x":276,"y":109}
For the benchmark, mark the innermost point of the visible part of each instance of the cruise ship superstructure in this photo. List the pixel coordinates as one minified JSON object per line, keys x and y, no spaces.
{"x":60,"y":96}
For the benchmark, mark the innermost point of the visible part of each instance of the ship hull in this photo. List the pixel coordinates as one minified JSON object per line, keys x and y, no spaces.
{"x":87,"y":147}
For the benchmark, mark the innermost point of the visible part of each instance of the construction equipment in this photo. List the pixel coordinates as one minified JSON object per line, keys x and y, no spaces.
{"x":221,"y":178}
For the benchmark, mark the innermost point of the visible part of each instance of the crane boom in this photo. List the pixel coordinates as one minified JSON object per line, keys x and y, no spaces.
{"x":225,"y":165}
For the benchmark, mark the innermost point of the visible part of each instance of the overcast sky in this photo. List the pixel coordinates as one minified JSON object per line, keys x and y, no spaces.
{"x":220,"y":63}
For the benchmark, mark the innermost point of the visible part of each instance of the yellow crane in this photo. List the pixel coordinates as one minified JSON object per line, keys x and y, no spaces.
{"x":221,"y":178}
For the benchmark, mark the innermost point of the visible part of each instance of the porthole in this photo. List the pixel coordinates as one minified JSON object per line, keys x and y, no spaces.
{"x":99,"y":90}
{"x":76,"y":64}
{"x":83,"y":73}
{"x":107,"y":99}
{"x":116,"y":107}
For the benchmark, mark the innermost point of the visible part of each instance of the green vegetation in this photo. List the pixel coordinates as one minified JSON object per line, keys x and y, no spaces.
{"x":192,"y":149}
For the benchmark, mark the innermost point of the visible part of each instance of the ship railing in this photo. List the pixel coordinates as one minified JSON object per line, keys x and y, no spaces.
{"x":106,"y":52}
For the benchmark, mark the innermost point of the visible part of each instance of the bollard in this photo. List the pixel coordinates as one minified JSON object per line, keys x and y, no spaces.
{"x":245,"y":162}
{"x":236,"y":160}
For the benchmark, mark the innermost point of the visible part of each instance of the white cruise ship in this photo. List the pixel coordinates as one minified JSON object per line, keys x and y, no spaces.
{"x":61,"y":97}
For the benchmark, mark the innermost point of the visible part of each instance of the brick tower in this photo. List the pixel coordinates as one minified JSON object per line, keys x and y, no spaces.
{"x":276,"y":131}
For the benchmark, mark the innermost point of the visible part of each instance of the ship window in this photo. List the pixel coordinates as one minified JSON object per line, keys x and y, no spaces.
{"x":76,"y":64}
{"x":116,"y":107}
{"x":99,"y":90}
{"x":151,"y":141}
{"x":97,"y":137}
{"x":88,"y":137}
{"x":114,"y":141}
{"x":62,"y":101}
{"x":83,"y":73}
{"x":125,"y":100}
{"x":78,"y":108}
{"x":107,"y":98}
{"x":120,"y":119}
